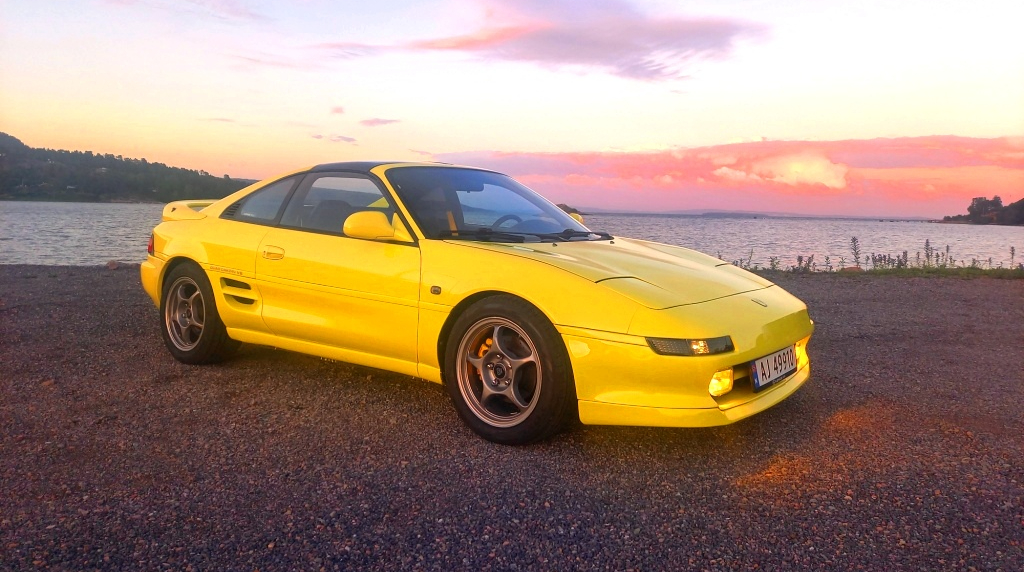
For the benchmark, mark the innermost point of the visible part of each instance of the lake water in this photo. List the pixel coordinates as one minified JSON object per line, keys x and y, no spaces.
{"x":733,"y":238}
{"x":82,"y":234}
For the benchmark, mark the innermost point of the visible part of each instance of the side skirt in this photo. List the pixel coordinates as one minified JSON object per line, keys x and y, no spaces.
{"x":330,"y":352}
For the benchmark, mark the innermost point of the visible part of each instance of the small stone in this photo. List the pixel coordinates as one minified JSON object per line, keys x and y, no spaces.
{"x":113,"y":265}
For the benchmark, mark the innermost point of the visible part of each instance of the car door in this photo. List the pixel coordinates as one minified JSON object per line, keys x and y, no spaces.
{"x":323,"y":287}
{"x":231,"y":241}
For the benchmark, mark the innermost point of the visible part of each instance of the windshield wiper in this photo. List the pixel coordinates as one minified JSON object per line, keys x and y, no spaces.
{"x":484,"y":234}
{"x":569,"y":234}
{"x":513,"y":236}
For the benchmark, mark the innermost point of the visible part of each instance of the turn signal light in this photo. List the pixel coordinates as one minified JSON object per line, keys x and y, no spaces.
{"x":721,"y":383}
{"x":687,"y":347}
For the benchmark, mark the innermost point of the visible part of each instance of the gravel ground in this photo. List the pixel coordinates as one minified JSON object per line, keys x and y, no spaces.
{"x":904,"y":452}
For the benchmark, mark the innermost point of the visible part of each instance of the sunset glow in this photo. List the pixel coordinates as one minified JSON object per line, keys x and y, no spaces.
{"x":871,"y":109}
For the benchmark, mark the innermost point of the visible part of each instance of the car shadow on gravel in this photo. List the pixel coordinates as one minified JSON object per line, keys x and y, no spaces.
{"x":378,"y":397}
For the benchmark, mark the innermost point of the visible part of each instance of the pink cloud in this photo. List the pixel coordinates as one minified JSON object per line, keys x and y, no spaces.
{"x":337,"y":110}
{"x":222,"y":9}
{"x":607,"y":35}
{"x":334,"y":138}
{"x":376,"y":122}
{"x":346,"y":50}
{"x":921,"y":176}
{"x":277,"y":62}
{"x":226,"y":9}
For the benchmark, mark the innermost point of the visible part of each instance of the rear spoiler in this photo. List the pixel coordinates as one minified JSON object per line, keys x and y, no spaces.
{"x":186,"y":210}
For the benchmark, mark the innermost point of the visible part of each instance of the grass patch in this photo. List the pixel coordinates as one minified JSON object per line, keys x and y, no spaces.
{"x":957,"y":272}
{"x":930,"y":262}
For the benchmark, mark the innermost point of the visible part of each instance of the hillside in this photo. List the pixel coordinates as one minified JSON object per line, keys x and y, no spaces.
{"x":32,"y":174}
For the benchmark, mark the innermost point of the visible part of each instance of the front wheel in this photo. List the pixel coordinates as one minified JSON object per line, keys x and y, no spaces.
{"x":507,"y":372}
{"x":191,"y":326}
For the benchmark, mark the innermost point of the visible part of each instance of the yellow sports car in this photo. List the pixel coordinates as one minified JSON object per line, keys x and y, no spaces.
{"x":465,"y":277}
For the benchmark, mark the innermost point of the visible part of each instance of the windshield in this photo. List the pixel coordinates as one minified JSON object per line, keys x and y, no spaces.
{"x":451,"y":202}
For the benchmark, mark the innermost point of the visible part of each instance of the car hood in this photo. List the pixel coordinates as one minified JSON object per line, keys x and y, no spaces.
{"x":652,"y":274}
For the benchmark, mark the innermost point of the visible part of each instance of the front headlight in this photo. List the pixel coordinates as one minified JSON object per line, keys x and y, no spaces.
{"x":685,"y":347}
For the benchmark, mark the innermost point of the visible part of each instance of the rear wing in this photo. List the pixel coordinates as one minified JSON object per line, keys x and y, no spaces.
{"x":186,"y":210}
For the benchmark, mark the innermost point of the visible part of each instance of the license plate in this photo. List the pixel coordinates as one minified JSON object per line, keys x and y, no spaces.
{"x":773,"y":367}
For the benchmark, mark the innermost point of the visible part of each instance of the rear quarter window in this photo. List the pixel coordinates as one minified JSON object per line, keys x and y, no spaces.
{"x":264,"y":205}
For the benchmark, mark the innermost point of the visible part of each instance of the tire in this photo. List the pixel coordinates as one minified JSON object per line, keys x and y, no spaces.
{"x":190,"y":325}
{"x":507,"y":372}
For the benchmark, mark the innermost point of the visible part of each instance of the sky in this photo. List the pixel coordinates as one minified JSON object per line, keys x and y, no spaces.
{"x":866,"y":108}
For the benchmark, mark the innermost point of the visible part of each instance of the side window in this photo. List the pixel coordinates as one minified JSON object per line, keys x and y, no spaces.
{"x":264,"y":204}
{"x":323,"y":201}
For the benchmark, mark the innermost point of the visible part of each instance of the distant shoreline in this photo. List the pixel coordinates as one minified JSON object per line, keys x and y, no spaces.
{"x":710,"y":215}
{"x":725,"y":214}
{"x":78,"y":200}
{"x":760,"y":216}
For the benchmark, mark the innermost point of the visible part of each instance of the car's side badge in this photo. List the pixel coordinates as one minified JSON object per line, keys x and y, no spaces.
{"x":435,"y":289}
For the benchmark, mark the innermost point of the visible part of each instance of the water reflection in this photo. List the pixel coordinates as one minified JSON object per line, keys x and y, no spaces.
{"x":75,"y":234}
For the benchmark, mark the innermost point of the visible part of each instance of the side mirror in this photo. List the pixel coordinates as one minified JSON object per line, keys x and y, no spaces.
{"x":577,"y":217}
{"x":372,"y":225}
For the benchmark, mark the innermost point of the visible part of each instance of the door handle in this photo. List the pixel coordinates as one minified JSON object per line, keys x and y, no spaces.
{"x":273,"y":252}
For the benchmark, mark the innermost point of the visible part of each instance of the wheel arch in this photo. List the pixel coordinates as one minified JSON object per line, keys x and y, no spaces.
{"x":465,"y":304}
{"x":212,"y":343}
{"x":561,"y":406}
{"x":170,"y":265}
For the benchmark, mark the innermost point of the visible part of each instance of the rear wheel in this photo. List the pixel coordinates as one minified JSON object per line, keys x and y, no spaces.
{"x":191,"y":328}
{"x":507,"y":372}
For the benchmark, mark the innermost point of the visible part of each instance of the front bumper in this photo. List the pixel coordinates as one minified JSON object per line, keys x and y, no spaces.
{"x":620,"y":380}
{"x":603,"y":413}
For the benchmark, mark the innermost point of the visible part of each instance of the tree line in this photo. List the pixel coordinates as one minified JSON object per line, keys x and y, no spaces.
{"x":28,"y":173}
{"x":983,"y":210}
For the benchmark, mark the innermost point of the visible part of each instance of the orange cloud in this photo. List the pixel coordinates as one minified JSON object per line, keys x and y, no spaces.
{"x":803,"y":169}
{"x":481,"y":39}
